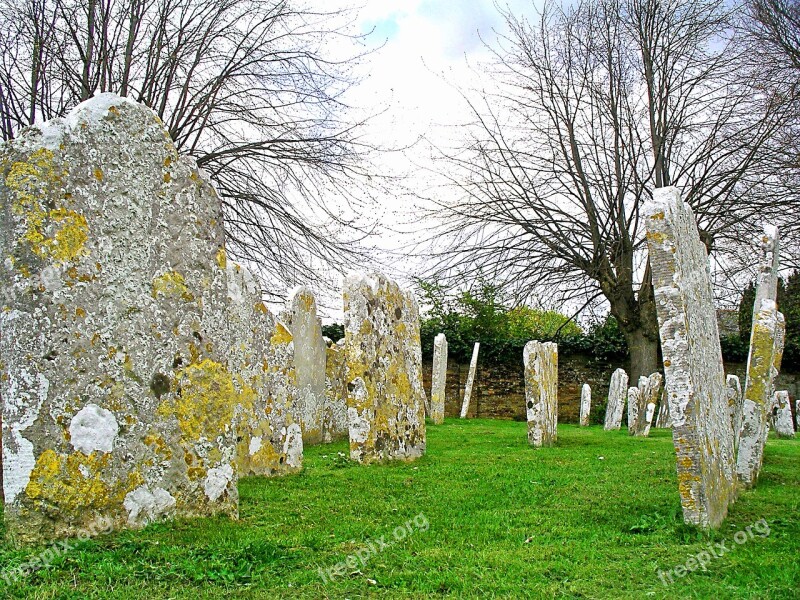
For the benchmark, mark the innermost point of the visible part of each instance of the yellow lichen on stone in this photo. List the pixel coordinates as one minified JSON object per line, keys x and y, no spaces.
{"x":222,"y":259}
{"x":172,"y":284}
{"x":281,"y":335}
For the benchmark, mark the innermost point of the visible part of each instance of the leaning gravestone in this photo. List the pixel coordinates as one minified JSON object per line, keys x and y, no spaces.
{"x":617,"y":391}
{"x":438,"y":378}
{"x":763,"y":363}
{"x":269,"y":441}
{"x":541,"y":392}
{"x":310,"y":353}
{"x":784,"y":425}
{"x":385,"y":397}
{"x":586,"y":404}
{"x":649,"y":391}
{"x":695,"y":378}
{"x":118,"y":404}
{"x":334,"y":414}
{"x":473,"y":367}
{"x":663,"y":420}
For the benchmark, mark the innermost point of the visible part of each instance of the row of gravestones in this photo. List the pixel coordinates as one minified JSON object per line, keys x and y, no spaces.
{"x":141,"y":372}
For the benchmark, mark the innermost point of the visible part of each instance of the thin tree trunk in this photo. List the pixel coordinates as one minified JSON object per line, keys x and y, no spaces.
{"x":644,"y":354}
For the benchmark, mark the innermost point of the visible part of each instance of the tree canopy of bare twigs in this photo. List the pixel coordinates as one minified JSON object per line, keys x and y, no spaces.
{"x":250,"y":88}
{"x":593,"y":105}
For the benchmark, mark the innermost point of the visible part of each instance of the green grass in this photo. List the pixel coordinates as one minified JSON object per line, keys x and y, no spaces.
{"x":504,"y":520}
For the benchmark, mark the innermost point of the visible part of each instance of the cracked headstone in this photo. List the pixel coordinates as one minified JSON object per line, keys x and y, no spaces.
{"x":438,"y":378}
{"x":541,"y":392}
{"x":695,"y":379}
{"x":617,"y":393}
{"x":385,"y":396}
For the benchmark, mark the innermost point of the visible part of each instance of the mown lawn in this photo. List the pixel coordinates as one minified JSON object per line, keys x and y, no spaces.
{"x":482,"y":515}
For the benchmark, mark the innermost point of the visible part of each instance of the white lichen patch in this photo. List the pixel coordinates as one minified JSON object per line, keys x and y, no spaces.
{"x":93,"y":428}
{"x":144,"y":505}
{"x":217,"y":481}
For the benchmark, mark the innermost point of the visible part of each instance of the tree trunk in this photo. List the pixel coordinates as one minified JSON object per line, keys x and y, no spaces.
{"x":644,"y":355}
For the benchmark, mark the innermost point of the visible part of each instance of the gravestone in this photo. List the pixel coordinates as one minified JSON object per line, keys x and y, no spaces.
{"x":695,"y":379}
{"x":438,"y":378}
{"x":634,"y":400}
{"x":473,"y":367}
{"x":617,"y":391}
{"x":586,"y":404}
{"x":735,"y":407}
{"x":784,"y":425}
{"x":385,"y":397}
{"x":118,"y":404}
{"x":663,"y":420}
{"x":649,"y":391}
{"x":541,"y":392}
{"x":334,"y":415}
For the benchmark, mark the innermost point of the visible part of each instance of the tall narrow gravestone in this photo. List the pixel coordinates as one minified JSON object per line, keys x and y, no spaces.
{"x":617,"y":392}
{"x":118,"y":404}
{"x":541,"y":392}
{"x":649,"y":390}
{"x":695,"y":379}
{"x":473,"y":367}
{"x":334,"y":414}
{"x":782,"y":409}
{"x":735,"y":407}
{"x":586,"y":404}
{"x":634,"y":400}
{"x":763,"y":363}
{"x":438,"y":378}
{"x":385,"y":397}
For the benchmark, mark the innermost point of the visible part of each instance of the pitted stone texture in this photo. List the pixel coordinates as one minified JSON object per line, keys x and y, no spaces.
{"x":385,"y":397}
{"x":541,"y":392}
{"x":261,"y":360}
{"x":782,"y":411}
{"x":586,"y":404}
{"x":649,"y":392}
{"x":310,"y":353}
{"x":763,"y":363}
{"x":473,"y":367}
{"x":634,"y":400}
{"x":695,"y":379}
{"x":334,"y":415}
{"x":735,"y":400}
{"x":617,"y":392}
{"x":439,"y":378}
{"x":118,"y":402}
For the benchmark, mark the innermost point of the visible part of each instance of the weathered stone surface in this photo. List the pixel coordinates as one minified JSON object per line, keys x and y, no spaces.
{"x":118,"y":404}
{"x":385,"y":398}
{"x":766,"y":350}
{"x":617,"y":392}
{"x":695,"y":378}
{"x":439,"y":378}
{"x":663,"y":420}
{"x":649,"y":391}
{"x":634,"y":400}
{"x":269,"y":441}
{"x":310,"y":353}
{"x":586,"y":404}
{"x":473,"y":367}
{"x":797,"y":413}
{"x":784,"y":425}
{"x":334,"y":415}
{"x":541,"y":392}
{"x":735,"y":399}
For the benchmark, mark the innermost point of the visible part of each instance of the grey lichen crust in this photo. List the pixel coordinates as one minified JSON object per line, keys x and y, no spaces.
{"x":695,"y":380}
{"x":383,"y":361}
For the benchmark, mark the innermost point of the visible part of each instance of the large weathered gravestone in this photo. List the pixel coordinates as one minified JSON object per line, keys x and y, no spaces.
{"x":649,"y":391}
{"x":695,"y":379}
{"x":473,"y":367}
{"x":334,"y":414}
{"x":385,"y":397}
{"x":617,"y":392}
{"x":269,"y":441}
{"x":541,"y":392}
{"x":784,"y":424}
{"x":634,"y":400}
{"x":735,"y":407}
{"x":586,"y":404}
{"x":763,"y":363}
{"x":438,"y":378}
{"x":118,"y":404}
{"x":310,"y":353}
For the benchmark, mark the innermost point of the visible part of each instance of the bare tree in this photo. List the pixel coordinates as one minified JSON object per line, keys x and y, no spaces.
{"x":250,"y":88}
{"x":594,"y":105}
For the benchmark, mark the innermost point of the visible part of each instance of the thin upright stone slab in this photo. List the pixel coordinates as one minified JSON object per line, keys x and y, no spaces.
{"x":586,"y":404}
{"x":735,"y":399}
{"x":541,"y":392}
{"x":438,"y":378}
{"x":797,"y":413}
{"x":617,"y":392}
{"x":118,"y":403}
{"x":663,"y":420}
{"x":310,"y":352}
{"x":269,"y":441}
{"x":473,"y":367}
{"x":334,"y":414}
{"x":650,"y":412}
{"x":784,"y":425}
{"x":385,"y":397}
{"x":634,"y":402}
{"x":649,"y":391}
{"x":695,"y":379}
